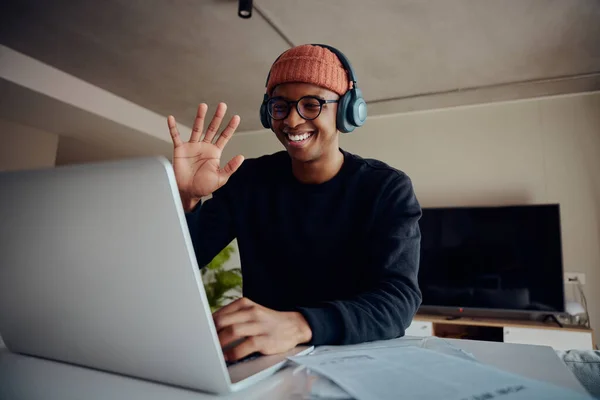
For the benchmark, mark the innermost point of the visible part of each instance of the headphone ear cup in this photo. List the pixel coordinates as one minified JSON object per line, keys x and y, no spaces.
{"x":358,"y":109}
{"x":342,"y":121}
{"x":264,"y":115}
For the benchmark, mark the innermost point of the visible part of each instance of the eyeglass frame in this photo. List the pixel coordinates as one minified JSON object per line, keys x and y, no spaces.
{"x":296,"y":102}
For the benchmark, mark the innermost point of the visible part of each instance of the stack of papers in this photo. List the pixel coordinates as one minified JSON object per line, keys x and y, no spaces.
{"x":407,"y":372}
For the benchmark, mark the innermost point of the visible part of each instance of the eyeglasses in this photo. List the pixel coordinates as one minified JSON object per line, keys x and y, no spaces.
{"x":308,"y":107}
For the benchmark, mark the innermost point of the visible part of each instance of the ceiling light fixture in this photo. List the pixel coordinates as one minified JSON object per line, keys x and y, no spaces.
{"x":245,"y":9}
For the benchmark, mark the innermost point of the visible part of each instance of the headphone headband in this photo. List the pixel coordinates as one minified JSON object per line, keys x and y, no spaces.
{"x":345,"y":62}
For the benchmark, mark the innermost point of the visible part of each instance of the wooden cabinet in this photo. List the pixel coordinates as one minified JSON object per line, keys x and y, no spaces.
{"x":502,"y":330}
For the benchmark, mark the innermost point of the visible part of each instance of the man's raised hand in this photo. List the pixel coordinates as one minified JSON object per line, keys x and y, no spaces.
{"x":197,"y":162}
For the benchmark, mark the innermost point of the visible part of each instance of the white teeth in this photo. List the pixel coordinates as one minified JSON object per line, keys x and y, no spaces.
{"x":297,"y":138}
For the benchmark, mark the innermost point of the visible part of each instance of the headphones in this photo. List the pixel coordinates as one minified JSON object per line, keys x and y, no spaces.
{"x":352,"y":108}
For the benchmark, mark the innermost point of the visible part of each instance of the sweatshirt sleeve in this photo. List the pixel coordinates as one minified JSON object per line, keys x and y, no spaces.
{"x":387,"y":309}
{"x":211,"y":224}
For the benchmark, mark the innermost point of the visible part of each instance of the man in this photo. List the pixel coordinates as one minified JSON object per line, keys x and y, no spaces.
{"x":329,"y":241}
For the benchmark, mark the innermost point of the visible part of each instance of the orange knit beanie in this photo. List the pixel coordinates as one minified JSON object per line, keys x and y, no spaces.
{"x":309,"y":64}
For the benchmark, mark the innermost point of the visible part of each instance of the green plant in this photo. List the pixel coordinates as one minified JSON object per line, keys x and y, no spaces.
{"x":218,"y":281}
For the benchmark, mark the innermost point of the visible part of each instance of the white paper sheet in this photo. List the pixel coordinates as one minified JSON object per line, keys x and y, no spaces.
{"x":416,"y":373}
{"x":434,"y":343}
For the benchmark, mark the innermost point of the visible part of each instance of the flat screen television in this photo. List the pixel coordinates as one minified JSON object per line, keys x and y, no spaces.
{"x":492,"y":259}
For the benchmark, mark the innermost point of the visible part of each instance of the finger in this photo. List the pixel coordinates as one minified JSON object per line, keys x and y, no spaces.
{"x":251,"y":345}
{"x":228,"y":132}
{"x":174,"y":132}
{"x":236,"y":332}
{"x":223,"y":321}
{"x":234,"y":306}
{"x":213,"y":127}
{"x":232,"y":166}
{"x":199,"y":123}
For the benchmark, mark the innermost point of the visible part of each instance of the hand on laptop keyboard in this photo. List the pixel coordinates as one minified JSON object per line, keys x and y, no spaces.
{"x":245,"y":327}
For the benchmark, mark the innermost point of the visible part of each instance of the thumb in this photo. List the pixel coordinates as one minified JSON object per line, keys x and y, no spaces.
{"x":231,"y":166}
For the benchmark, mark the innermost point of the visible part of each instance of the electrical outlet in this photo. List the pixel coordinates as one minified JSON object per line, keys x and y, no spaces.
{"x":574,"y":278}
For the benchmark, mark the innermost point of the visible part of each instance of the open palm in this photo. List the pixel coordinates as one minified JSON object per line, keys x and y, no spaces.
{"x":197,"y":162}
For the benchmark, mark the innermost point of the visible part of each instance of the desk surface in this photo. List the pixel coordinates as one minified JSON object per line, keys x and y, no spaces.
{"x":24,"y":377}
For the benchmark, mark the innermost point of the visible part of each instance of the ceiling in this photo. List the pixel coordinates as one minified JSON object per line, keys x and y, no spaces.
{"x":168,"y":56}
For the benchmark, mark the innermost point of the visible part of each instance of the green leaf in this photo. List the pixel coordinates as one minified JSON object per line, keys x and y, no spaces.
{"x":228,"y":279}
{"x":221,"y":258}
{"x":217,"y":281}
{"x":210,"y":295}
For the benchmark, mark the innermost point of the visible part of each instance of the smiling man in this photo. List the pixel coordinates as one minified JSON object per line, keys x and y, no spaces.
{"x":329,"y":241}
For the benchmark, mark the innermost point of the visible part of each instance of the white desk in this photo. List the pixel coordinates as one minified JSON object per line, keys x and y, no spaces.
{"x":24,"y":377}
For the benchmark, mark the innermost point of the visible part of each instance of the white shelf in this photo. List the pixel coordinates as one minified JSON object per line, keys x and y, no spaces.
{"x":513,"y":331}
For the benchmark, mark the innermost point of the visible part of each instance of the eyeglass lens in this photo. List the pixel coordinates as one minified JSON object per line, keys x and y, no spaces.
{"x":308,"y":108}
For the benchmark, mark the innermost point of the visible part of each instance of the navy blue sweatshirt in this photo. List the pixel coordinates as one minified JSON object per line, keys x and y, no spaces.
{"x":344,"y":253}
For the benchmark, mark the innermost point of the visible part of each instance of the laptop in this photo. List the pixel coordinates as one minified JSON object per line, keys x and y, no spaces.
{"x":97,"y":269}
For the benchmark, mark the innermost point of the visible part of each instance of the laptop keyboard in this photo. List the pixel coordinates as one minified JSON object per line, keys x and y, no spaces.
{"x":249,"y":357}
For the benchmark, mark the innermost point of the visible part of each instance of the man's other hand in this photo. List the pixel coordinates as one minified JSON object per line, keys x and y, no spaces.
{"x":264,"y":330}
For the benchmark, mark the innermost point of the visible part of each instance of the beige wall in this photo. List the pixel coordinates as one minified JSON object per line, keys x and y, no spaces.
{"x":521,"y":152}
{"x":75,"y":151}
{"x":24,"y":147}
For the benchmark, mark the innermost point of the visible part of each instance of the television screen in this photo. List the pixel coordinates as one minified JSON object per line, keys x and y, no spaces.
{"x":504,"y":258}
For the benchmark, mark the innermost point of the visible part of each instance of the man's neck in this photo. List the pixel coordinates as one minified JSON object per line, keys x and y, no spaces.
{"x":319,"y":171}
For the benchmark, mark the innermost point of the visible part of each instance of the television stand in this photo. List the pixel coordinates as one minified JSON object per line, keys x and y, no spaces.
{"x":552,"y":317}
{"x":566,"y":337}
{"x":453,"y":317}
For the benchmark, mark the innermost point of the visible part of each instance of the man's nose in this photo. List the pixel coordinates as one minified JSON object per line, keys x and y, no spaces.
{"x":294,"y":118}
